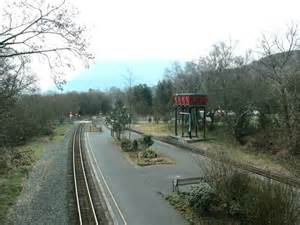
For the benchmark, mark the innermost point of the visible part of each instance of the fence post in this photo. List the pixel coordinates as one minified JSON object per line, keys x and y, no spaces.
{"x":175,"y":185}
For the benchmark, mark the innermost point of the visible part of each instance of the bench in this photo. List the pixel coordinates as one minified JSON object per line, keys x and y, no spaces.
{"x":185,"y":181}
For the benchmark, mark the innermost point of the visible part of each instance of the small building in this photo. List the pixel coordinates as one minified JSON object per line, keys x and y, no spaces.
{"x":187,"y":107}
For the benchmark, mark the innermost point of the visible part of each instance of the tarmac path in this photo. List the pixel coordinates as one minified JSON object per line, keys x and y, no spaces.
{"x":135,"y":195}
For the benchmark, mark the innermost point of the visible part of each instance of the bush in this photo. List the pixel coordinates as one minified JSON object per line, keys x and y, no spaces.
{"x":254,"y":201}
{"x":149,"y":154}
{"x":23,"y":158}
{"x":47,"y":130}
{"x":146,"y":141}
{"x":202,"y":198}
{"x":126,"y":145}
{"x":135,"y":146}
{"x":272,"y":203}
{"x":5,"y":160}
{"x":129,"y":146}
{"x":235,"y":191}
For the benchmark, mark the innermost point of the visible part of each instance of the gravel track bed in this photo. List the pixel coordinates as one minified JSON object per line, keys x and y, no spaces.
{"x":47,"y":195}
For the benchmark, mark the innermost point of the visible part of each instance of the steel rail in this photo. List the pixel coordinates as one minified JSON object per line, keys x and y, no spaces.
{"x":84,"y":200}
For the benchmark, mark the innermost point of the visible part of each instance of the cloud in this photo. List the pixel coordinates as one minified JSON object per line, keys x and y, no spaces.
{"x":177,"y":29}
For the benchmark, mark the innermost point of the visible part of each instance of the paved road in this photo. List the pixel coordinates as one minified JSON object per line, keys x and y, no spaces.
{"x":135,"y":194}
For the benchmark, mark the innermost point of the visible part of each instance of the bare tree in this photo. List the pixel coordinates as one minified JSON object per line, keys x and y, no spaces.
{"x":282,"y":69}
{"x":31,"y":28}
{"x":48,"y":30}
{"x":13,"y":80}
{"x":221,"y":60}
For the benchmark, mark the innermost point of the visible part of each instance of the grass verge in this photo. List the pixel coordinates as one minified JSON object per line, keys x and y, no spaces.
{"x":219,"y":144}
{"x":10,"y":188}
{"x":59,"y":131}
{"x":15,"y":164}
{"x":154,"y":129}
{"x":18,"y":163}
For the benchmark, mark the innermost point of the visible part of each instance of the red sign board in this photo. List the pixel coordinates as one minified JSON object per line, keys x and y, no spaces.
{"x":190,"y":99}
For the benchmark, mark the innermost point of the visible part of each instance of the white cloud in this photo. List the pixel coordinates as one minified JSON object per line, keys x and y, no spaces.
{"x":177,"y":29}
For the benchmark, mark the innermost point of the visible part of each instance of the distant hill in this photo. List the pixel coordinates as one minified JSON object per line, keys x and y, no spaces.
{"x":293,"y":63}
{"x":106,"y":74}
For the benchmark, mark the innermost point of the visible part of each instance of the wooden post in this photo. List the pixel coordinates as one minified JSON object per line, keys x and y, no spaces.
{"x":176,"y":131}
{"x":190,"y":122}
{"x":182,"y":122}
{"x":196,"y":121}
{"x":204,"y":123}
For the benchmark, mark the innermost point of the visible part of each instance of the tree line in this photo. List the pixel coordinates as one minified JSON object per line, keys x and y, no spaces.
{"x":250,"y":98}
{"x":35,"y":114}
{"x":247,"y":98}
{"x":35,"y":31}
{"x":255,"y":99}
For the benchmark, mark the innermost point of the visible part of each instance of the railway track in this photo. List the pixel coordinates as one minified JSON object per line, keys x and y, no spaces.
{"x":84,"y":202}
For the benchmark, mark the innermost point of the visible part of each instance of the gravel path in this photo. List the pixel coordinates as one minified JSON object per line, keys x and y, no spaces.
{"x":47,"y":194}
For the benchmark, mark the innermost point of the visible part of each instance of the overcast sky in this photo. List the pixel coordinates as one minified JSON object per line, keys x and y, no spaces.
{"x":178,"y":29}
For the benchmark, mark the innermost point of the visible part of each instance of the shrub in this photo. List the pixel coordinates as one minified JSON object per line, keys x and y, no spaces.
{"x":272,"y":203}
{"x":254,"y":201}
{"x":5,"y":160}
{"x":126,"y":145}
{"x":149,"y":154}
{"x":23,"y":158}
{"x":235,"y":209}
{"x":235,"y":190}
{"x":146,"y":141}
{"x":47,"y":130}
{"x":135,"y":146}
{"x":228,"y":182}
{"x":202,"y":198}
